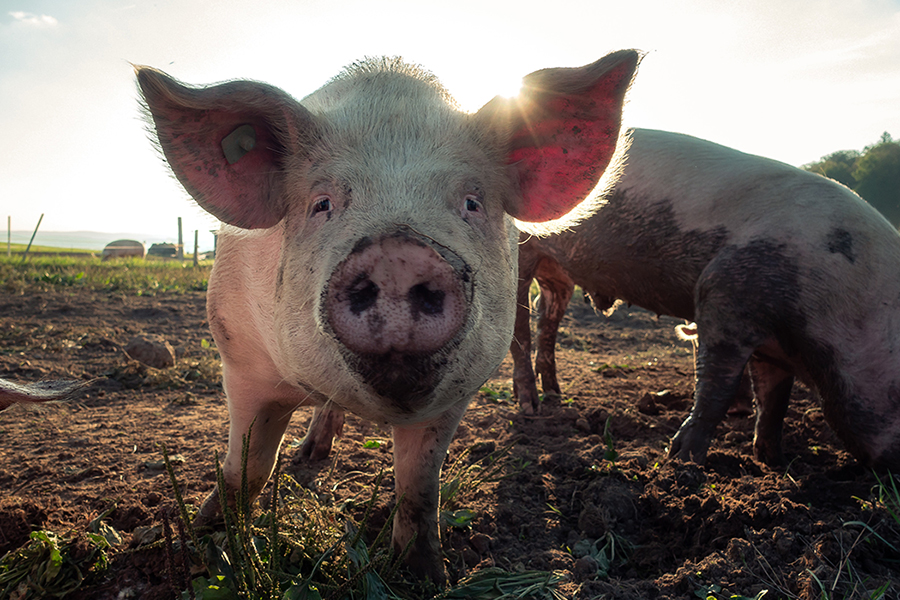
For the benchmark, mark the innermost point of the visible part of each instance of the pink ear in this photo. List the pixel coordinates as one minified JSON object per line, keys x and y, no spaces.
{"x":226,"y":143}
{"x":562,"y":132}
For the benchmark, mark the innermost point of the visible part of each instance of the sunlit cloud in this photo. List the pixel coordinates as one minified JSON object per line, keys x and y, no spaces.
{"x":33,"y":19}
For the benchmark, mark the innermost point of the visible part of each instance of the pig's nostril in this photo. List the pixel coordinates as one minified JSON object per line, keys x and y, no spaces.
{"x":424,"y":300}
{"x":362,"y":294}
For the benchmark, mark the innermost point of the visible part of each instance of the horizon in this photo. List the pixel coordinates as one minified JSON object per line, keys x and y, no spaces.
{"x":91,"y":240}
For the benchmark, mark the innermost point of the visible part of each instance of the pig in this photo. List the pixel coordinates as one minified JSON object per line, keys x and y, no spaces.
{"x":367,"y":258}
{"x":782,"y":270}
{"x":41,"y":391}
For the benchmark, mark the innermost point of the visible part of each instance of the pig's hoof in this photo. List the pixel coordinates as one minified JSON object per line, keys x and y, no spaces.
{"x":741,"y":407}
{"x":327,"y":424}
{"x":312,"y":449}
{"x":688,"y":448}
{"x":767,"y":454}
{"x":210,"y":513}
{"x":529,"y":406}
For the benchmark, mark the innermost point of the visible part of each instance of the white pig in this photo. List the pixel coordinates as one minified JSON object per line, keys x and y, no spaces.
{"x":368,"y":257}
{"x":781,"y":269}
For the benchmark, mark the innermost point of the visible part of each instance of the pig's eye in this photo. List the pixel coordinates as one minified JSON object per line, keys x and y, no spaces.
{"x":473,"y":205}
{"x":323,"y":204}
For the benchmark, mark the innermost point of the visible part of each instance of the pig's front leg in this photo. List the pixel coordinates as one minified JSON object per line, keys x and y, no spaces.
{"x":524,"y":381}
{"x":327,"y":424}
{"x":419,"y":451}
{"x":719,"y":370}
{"x":556,"y":292}
{"x":263,"y":412}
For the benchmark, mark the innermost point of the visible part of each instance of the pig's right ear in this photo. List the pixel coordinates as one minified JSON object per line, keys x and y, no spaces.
{"x":560,"y":133}
{"x":226,"y":143}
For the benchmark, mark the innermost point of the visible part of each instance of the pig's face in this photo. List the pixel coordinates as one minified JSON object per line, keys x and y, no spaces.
{"x":394,"y":287}
{"x":398,"y":240}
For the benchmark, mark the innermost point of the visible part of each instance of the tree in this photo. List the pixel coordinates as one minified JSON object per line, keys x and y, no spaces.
{"x":877,"y":176}
{"x":837,"y":165}
{"x":873,"y":173}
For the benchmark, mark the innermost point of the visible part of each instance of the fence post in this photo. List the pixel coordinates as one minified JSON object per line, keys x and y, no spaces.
{"x":196,"y":245}
{"x":179,"y":252}
{"x":24,"y":256}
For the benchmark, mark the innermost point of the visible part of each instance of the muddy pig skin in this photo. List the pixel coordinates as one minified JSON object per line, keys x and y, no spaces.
{"x":781,"y":269}
{"x":367,"y":259}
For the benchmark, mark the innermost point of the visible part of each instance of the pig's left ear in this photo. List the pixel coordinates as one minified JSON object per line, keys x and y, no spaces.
{"x":226,"y":144}
{"x":560,"y":133}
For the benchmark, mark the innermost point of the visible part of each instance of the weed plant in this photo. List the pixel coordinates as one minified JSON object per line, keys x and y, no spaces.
{"x":52,"y":566}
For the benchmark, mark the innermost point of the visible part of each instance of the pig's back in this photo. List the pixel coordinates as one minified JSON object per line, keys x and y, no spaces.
{"x":681,"y":199}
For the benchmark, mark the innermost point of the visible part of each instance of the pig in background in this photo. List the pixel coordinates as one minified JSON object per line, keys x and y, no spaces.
{"x":782,"y":270}
{"x":368,"y":257}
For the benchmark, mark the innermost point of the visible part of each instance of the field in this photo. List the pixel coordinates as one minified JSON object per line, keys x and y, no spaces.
{"x":585,"y":490}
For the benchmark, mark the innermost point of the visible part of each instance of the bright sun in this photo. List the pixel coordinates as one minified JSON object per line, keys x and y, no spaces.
{"x":480,"y":91}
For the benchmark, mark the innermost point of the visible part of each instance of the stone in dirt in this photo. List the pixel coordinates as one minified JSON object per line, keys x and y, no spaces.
{"x":153,"y":352}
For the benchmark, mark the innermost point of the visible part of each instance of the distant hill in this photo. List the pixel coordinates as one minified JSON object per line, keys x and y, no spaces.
{"x":95,"y":240}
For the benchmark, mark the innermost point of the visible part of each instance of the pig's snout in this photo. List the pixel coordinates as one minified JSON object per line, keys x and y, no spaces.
{"x":396,"y":295}
{"x":396,"y":304}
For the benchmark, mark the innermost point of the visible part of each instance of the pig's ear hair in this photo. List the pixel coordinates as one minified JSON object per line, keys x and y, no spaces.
{"x":560,"y":133}
{"x":226,"y":143}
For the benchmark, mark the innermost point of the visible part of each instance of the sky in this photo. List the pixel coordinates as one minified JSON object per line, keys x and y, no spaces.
{"x":787,"y":79}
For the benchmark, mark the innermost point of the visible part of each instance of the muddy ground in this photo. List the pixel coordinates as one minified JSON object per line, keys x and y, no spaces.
{"x":679,"y":531}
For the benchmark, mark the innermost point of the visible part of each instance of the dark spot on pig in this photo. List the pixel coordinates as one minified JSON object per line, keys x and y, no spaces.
{"x":600,"y":256}
{"x":362,"y":244}
{"x":279,"y":278}
{"x":375,"y":322}
{"x":841,"y":241}
{"x":757,"y":287}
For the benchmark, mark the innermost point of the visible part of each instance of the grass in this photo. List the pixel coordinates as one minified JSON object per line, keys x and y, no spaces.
{"x":291,"y":545}
{"x":129,"y":275}
{"x":500,"y":396}
{"x":19,"y":249}
{"x":300,"y":548}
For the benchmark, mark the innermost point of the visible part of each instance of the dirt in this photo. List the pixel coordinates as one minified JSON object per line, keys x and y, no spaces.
{"x":589,"y":471}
